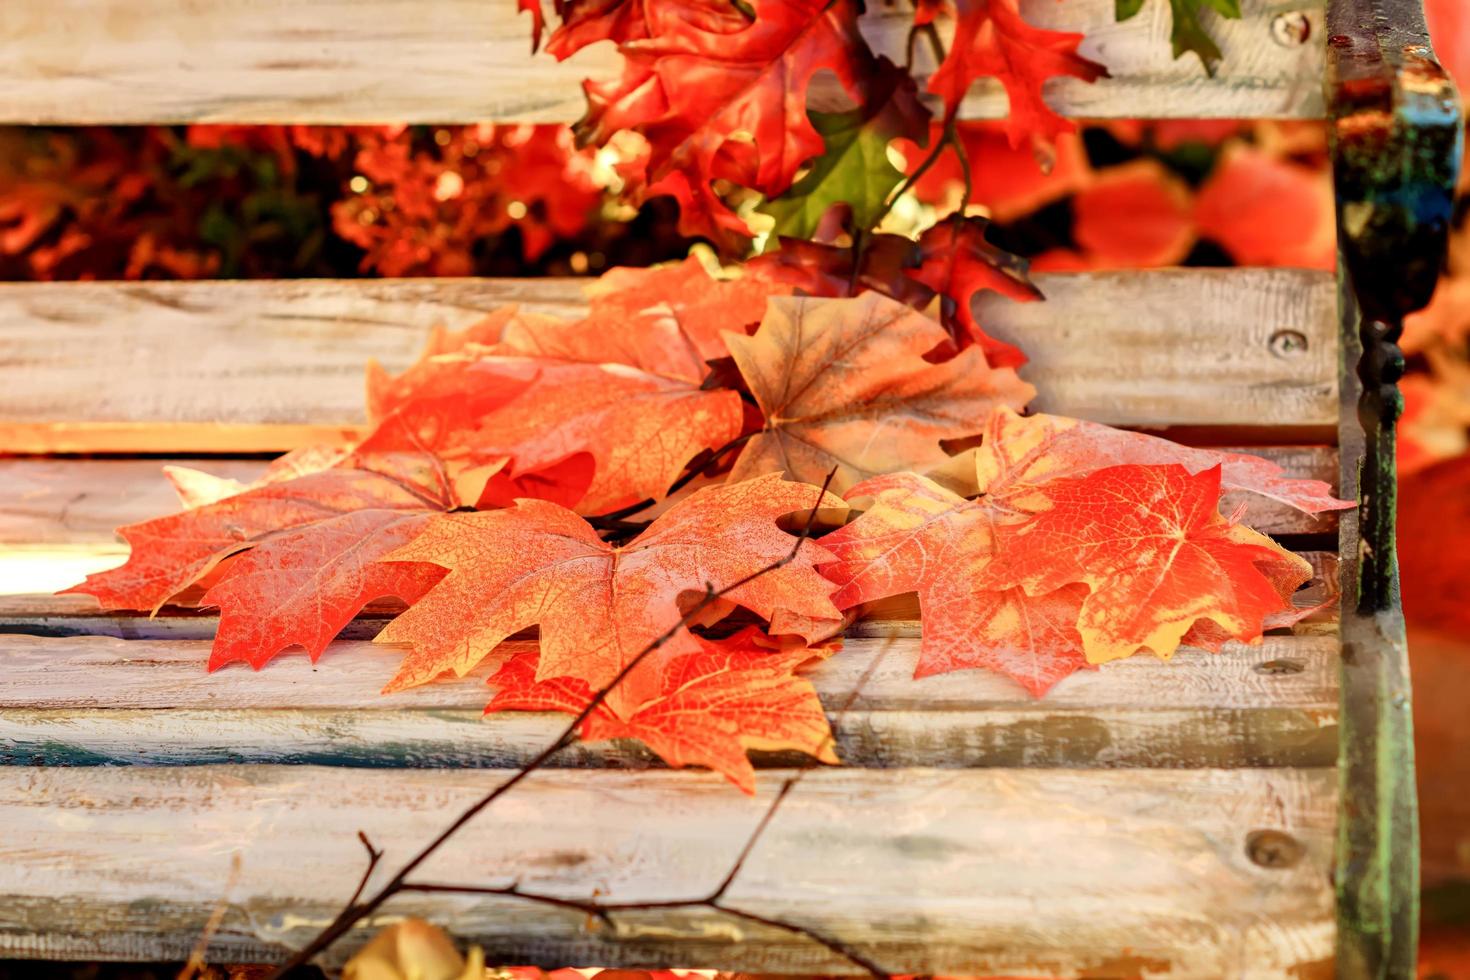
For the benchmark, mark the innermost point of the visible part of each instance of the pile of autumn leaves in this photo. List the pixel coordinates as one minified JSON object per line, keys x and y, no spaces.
{"x":503,"y":482}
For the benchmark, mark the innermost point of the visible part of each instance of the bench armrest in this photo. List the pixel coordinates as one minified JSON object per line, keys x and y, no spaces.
{"x":1397,"y":133}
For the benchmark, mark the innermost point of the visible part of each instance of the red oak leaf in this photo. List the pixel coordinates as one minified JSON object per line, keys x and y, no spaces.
{"x":958,"y":262}
{"x":1150,"y":544}
{"x":919,"y":537}
{"x":716,"y":102}
{"x":585,"y":22}
{"x":599,"y":607}
{"x":708,"y":707}
{"x":991,"y":40}
{"x":844,"y":384}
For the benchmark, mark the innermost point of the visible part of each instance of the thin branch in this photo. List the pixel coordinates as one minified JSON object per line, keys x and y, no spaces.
{"x":603,"y":910}
{"x":374,"y":856}
{"x":357,"y":911}
{"x":704,"y":462}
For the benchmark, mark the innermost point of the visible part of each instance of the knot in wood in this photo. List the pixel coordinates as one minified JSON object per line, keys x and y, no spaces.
{"x":1273,"y":849}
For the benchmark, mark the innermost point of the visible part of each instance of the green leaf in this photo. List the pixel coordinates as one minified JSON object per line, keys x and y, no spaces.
{"x":1188,"y":35}
{"x":854,"y":169}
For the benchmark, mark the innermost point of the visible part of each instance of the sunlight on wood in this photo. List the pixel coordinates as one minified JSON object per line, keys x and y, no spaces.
{"x":31,"y":570}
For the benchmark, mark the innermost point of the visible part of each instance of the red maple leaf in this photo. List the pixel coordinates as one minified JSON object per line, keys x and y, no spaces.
{"x":706,"y":707}
{"x":919,"y":537}
{"x":1152,"y":548}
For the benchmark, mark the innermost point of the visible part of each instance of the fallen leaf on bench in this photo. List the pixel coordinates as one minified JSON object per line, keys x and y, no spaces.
{"x":597,"y":606}
{"x":844,"y":383}
{"x":706,"y":707}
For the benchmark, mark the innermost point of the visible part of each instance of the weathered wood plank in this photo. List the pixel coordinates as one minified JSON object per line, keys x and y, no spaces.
{"x":443,"y":61}
{"x":216,"y":365}
{"x":1269,"y":705}
{"x":1017,"y":872}
{"x":60,"y":503}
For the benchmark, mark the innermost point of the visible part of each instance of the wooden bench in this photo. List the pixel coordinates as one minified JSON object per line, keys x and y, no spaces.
{"x":1248,"y":814}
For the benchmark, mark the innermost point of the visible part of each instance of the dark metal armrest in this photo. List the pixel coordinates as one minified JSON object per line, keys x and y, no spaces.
{"x":1396,"y":136}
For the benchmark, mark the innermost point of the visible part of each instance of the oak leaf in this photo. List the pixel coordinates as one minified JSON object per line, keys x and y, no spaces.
{"x":719,"y":101}
{"x":598,"y":607}
{"x":855,"y":170}
{"x":707,"y":707}
{"x":992,"y":40}
{"x":1187,"y":33}
{"x":958,"y":262}
{"x":844,"y":384}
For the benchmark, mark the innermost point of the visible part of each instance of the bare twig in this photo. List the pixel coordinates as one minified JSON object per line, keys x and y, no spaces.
{"x":374,"y":856}
{"x":706,"y":461}
{"x":714,"y":901}
{"x":196,"y":961}
{"x":356,"y":911}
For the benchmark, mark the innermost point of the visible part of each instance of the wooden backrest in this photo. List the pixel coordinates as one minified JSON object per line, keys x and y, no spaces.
{"x":1170,"y":819}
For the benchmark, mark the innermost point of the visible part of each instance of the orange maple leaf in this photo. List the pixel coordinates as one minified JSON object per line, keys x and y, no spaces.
{"x":599,"y":606}
{"x":843,"y":383}
{"x":709,"y":707}
{"x":1021,"y":455}
{"x":1150,"y":544}
{"x":639,"y":428}
{"x":919,"y":537}
{"x":703,"y":306}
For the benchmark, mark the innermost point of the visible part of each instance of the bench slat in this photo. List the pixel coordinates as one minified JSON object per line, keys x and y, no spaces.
{"x":447,"y":61}
{"x":79,"y":503}
{"x":1004,"y":871}
{"x":262,"y":366}
{"x":159,"y":707}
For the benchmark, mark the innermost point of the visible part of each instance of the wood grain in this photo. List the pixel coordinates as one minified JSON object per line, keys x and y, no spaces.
{"x":1002,"y":871}
{"x":173,"y":361}
{"x":446,"y":61}
{"x":1274,"y":704}
{"x":79,"y":502}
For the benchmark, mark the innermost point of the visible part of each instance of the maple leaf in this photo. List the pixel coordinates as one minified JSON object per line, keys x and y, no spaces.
{"x":585,"y":22}
{"x":1019,"y":457}
{"x":703,"y":306}
{"x":716,"y":102}
{"x":1150,"y":544}
{"x":919,"y":537}
{"x":958,"y":262}
{"x":639,"y":428}
{"x":709,"y":707}
{"x":1188,"y":34}
{"x":844,"y":384}
{"x":301,"y":587}
{"x":598,"y":606}
{"x":855,"y":170}
{"x":992,"y":40}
